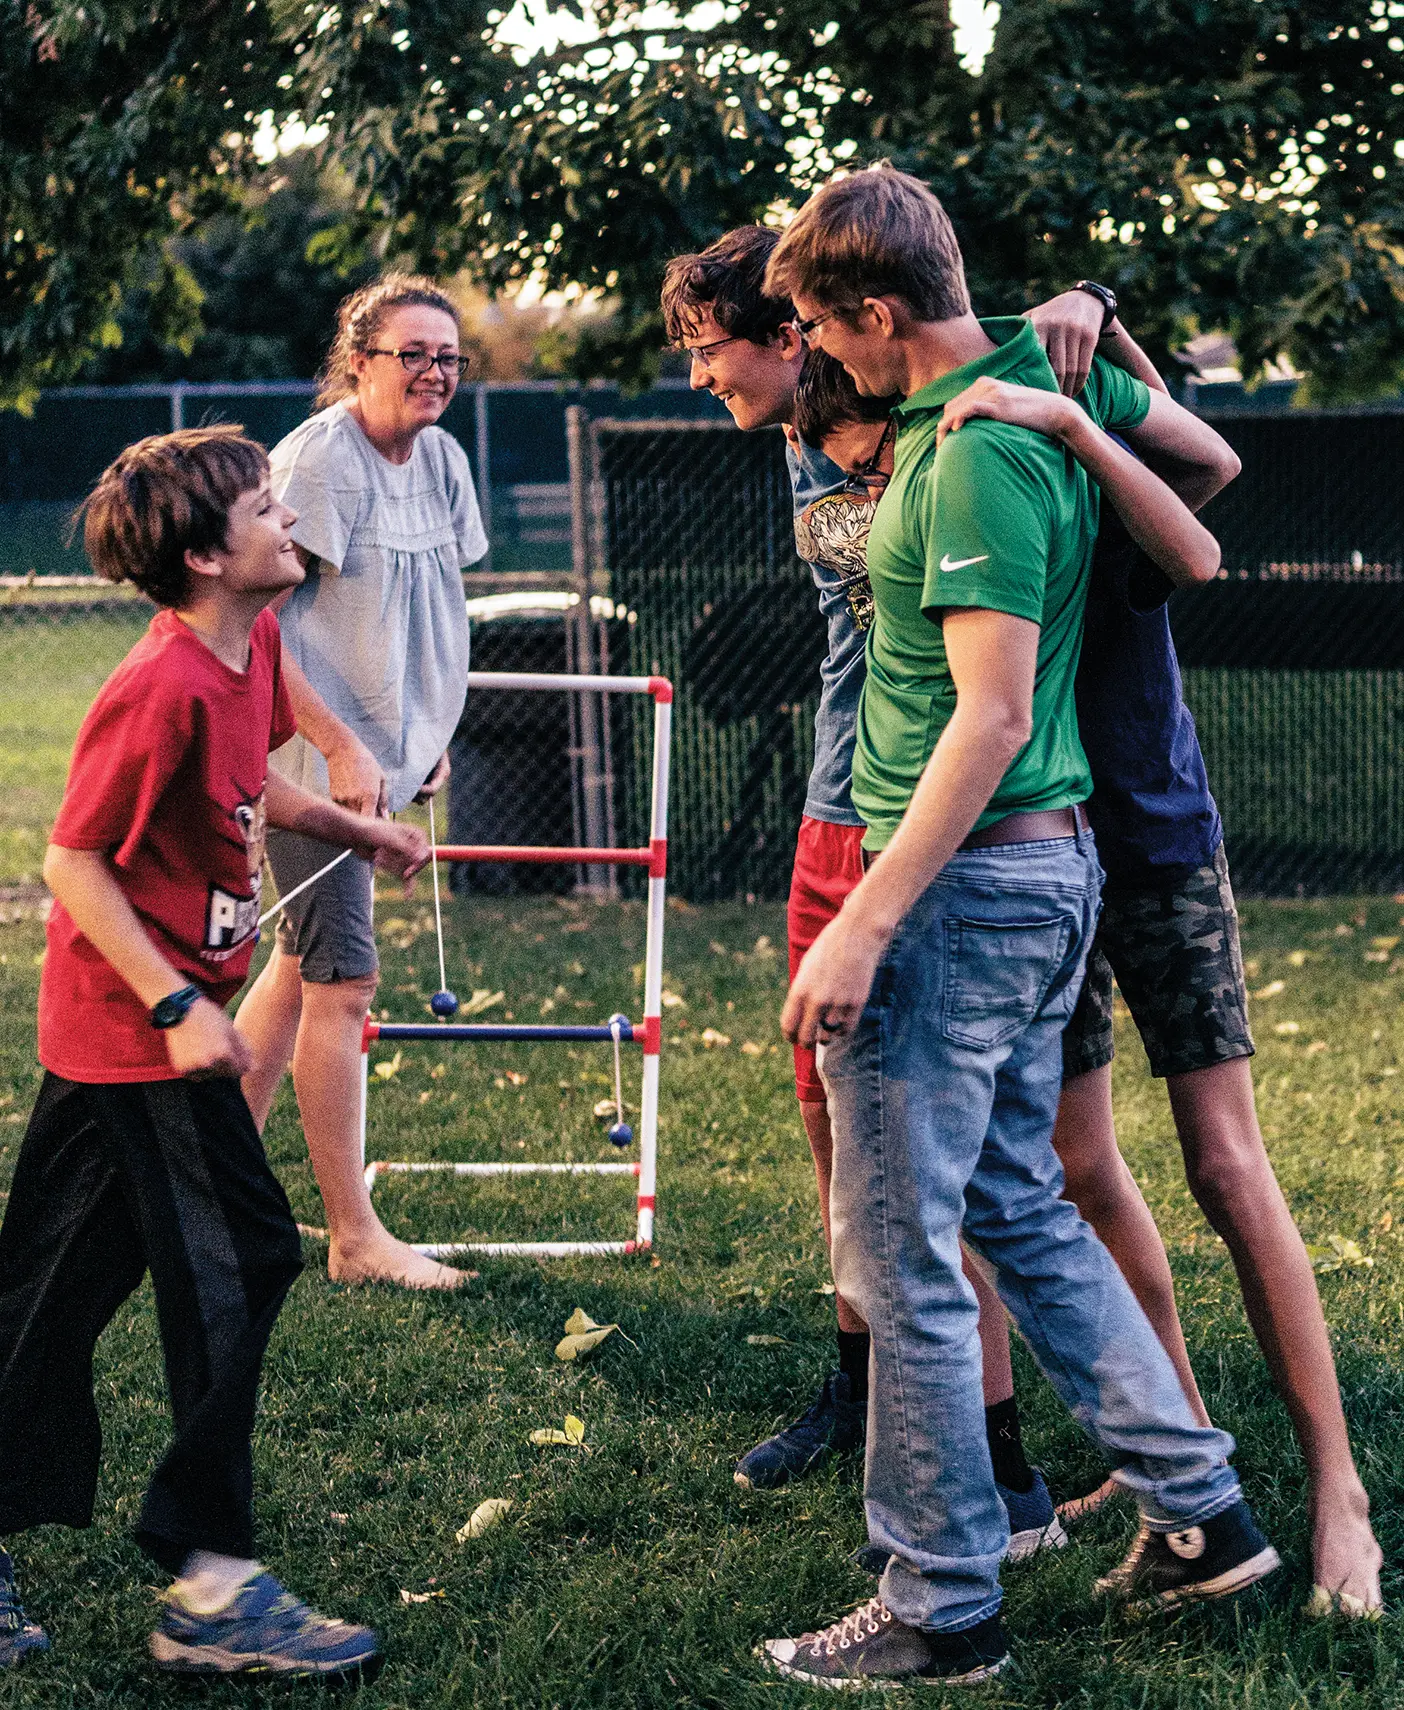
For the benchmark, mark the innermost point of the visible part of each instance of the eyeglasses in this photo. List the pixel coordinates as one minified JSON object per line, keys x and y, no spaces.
{"x":420,"y":361}
{"x":702,"y":354}
{"x":867,"y":475}
{"x":806,"y":328}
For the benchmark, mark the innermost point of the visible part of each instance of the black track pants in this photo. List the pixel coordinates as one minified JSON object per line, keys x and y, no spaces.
{"x":112,"y":1181}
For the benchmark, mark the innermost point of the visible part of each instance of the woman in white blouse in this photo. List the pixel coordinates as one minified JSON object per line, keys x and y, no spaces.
{"x":377,"y":636}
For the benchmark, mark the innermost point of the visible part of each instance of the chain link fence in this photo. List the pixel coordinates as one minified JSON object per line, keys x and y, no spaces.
{"x":1293,"y":660}
{"x":681,"y":562}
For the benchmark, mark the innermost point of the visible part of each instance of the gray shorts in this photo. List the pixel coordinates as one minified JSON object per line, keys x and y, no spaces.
{"x":330,"y":928}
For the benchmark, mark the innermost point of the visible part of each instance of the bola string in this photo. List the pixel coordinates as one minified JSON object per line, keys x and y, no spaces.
{"x":297,"y":890}
{"x":438,"y":917}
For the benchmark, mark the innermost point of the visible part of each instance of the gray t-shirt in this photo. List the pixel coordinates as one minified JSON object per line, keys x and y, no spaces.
{"x":832,"y":517}
{"x":379,"y":627}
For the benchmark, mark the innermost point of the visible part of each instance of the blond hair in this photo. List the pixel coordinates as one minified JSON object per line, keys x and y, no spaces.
{"x":360,"y":318}
{"x":879,"y":233}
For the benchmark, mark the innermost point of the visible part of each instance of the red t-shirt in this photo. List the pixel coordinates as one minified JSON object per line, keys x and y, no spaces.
{"x":167,"y":780}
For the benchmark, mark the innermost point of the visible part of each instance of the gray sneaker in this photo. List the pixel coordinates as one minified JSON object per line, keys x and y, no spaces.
{"x":871,"y":1648}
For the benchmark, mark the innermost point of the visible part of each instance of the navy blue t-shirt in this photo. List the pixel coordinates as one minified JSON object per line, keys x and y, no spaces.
{"x":1151,"y":808}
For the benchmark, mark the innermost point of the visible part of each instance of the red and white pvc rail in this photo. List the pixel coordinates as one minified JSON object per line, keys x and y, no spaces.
{"x":646,"y":1033}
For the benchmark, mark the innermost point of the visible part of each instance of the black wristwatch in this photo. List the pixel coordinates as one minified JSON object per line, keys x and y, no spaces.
{"x":172,"y":1010}
{"x":1105,"y":296}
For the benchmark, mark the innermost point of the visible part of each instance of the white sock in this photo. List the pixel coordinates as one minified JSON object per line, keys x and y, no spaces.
{"x":207,"y":1581}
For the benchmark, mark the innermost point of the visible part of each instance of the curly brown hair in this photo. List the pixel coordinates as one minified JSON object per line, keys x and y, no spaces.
{"x":163,"y":497}
{"x":360,"y":318}
{"x":725,"y":278}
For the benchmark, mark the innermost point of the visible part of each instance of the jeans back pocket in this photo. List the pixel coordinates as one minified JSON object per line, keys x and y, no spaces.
{"x":996,"y":975}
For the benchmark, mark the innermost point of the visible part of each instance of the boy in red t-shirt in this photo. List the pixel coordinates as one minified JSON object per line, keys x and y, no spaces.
{"x":141,"y":1153}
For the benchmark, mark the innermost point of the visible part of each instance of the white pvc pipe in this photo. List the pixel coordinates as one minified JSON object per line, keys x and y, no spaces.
{"x":559,"y":680}
{"x":508,"y":1169}
{"x":524,"y":1249}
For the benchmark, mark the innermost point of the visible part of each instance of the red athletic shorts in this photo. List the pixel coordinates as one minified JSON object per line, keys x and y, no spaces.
{"x":828,"y":864}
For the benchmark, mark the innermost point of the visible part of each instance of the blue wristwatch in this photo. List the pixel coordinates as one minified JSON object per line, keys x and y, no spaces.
{"x":172,"y":1010}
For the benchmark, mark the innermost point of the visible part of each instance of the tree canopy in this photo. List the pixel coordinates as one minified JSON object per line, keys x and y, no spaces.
{"x":1225,"y":164}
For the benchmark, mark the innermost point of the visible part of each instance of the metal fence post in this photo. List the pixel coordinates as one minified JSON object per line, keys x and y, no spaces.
{"x":592,"y":770}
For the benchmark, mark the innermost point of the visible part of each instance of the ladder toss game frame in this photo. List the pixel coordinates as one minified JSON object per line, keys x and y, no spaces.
{"x":646,"y":1033}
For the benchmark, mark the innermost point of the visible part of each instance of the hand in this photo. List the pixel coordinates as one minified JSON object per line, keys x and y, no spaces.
{"x":395,"y":848}
{"x":828,"y":994}
{"x":436,"y":779}
{"x":1001,"y":401}
{"x":357,"y":782}
{"x":1068,"y":327}
{"x":205,"y":1044}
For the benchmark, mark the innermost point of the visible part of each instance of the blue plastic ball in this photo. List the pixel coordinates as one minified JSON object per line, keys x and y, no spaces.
{"x":622,"y":1019}
{"x":621,"y":1134}
{"x":444,"y":1004}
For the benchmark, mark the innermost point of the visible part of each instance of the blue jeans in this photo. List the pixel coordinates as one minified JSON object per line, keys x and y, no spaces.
{"x":943,"y":1101}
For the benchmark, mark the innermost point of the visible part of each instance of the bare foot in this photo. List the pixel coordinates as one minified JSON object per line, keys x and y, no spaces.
{"x":1345,"y":1558}
{"x":386,"y":1260}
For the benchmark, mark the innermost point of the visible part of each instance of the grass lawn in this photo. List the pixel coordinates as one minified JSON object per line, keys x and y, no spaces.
{"x":632,"y":1571}
{"x":50,"y":670}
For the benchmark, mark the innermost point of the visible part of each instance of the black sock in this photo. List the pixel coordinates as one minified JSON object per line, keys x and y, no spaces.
{"x":853,"y":1349}
{"x":1007,"y":1446}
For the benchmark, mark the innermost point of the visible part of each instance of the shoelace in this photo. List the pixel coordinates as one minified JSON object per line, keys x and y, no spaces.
{"x":865,"y":1622}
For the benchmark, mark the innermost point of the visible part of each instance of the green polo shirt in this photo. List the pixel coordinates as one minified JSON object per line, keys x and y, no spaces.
{"x":1000,"y":518}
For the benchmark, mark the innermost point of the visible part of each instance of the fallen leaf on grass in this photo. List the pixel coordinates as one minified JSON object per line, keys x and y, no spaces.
{"x":710,"y":1038}
{"x":766,"y":1342}
{"x":1377,"y":955}
{"x":1386,"y":1223}
{"x":751,"y":1049}
{"x":395,"y":925}
{"x":1384,"y":943}
{"x":1297,"y":958}
{"x":388,"y":1070}
{"x":573,"y":1437}
{"x":1338,"y":1255}
{"x":483,"y":1518}
{"x":605,"y":1107}
{"x":517,"y":1080}
{"x":419,"y":1596}
{"x":1317,"y":1046}
{"x":1287,"y":1027}
{"x":483,"y":998}
{"x":1274,"y":988}
{"x":671,"y":1000}
{"x":582,"y":1334}
{"x":763,"y":948}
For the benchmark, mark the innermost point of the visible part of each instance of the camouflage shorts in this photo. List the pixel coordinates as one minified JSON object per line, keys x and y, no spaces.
{"x":1174,"y":953}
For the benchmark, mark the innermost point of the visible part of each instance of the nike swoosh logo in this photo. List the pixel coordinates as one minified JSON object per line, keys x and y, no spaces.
{"x":960,"y":563}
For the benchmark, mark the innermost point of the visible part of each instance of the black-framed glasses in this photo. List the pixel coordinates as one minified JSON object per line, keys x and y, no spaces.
{"x":420,"y":361}
{"x":867,"y":474}
{"x":806,"y":328}
{"x":702,"y":354}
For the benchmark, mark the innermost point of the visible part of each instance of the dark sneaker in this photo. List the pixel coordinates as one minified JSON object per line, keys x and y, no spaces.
{"x":1033,"y":1526}
{"x":262,"y":1630}
{"x":20,"y":1638}
{"x":1033,"y":1521}
{"x":872,"y":1648}
{"x":834,"y":1425}
{"x":1195,"y":1563}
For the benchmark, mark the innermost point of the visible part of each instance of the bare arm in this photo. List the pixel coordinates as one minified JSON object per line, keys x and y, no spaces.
{"x":205,"y":1042}
{"x":357,"y":782}
{"x":992,"y":658}
{"x":1160,"y":523}
{"x":1186,"y":452}
{"x":403,"y":849}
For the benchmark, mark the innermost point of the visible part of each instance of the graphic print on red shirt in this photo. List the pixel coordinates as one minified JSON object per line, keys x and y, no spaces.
{"x":167,"y":780}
